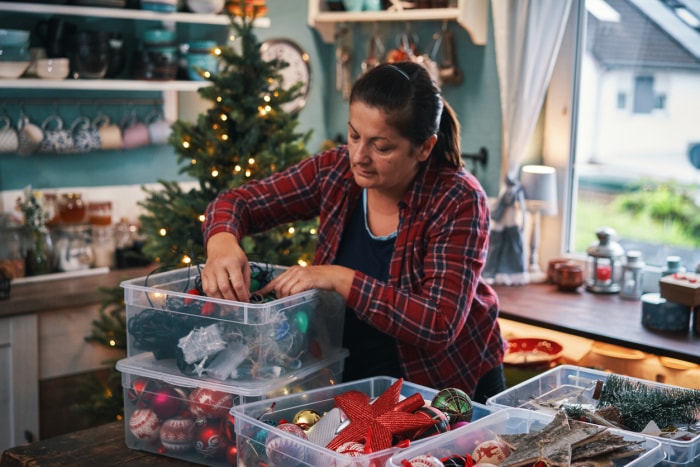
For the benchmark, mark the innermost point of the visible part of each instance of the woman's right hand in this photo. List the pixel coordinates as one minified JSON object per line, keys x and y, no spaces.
{"x":226,"y":273}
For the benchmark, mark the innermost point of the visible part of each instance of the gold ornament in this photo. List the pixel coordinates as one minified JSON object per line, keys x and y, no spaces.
{"x":306,"y":418}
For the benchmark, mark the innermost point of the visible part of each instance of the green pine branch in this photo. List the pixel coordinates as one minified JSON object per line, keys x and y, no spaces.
{"x":640,"y":403}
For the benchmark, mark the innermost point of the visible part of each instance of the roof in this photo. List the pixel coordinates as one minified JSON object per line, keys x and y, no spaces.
{"x":666,"y":41}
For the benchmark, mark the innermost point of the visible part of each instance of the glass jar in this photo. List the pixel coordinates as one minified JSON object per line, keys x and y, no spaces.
{"x":71,"y":209}
{"x":38,"y":252}
{"x":11,"y":258}
{"x":73,"y":248}
{"x":104,"y":246}
{"x":99,"y":213}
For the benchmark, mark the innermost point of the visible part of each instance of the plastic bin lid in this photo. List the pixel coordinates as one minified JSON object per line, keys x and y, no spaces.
{"x":145,"y":365}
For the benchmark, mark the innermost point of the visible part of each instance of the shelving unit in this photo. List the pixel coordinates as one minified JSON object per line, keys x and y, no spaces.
{"x":169,"y":88}
{"x":472,"y":15}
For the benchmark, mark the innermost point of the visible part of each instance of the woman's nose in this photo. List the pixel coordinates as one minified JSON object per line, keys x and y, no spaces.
{"x":361,"y":153}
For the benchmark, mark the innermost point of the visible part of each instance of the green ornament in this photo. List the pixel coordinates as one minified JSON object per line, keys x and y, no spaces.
{"x":254,"y":285}
{"x":456,"y":404}
{"x":301,"y":319}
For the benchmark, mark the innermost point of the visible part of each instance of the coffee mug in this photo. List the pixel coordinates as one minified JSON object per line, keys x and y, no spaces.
{"x":159,"y":129}
{"x":110,"y":133}
{"x":30,"y":136}
{"x":135,"y":134}
{"x":86,"y":136}
{"x":56,"y":139}
{"x":9,"y":139}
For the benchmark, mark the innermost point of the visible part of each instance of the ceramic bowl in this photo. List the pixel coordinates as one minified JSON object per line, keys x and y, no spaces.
{"x":211,"y":7}
{"x":155,"y":37}
{"x":14,"y":37}
{"x":13,"y":70}
{"x":53,"y":68}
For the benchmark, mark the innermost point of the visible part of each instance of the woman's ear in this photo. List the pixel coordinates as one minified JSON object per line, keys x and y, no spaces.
{"x":426,"y":148}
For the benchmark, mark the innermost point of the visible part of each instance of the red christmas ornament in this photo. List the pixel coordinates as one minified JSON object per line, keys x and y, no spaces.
{"x":232,"y":454}
{"x":208,"y":309}
{"x":209,"y":442}
{"x":378,"y":422}
{"x":167,"y":402}
{"x":144,"y":424}
{"x":177,"y":434}
{"x":228,"y":427}
{"x":282,"y":449}
{"x":442,"y":422}
{"x":189,"y":300}
{"x":141,"y":392}
{"x":208,"y":403}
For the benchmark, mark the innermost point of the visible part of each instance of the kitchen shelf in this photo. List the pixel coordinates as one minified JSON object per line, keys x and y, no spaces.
{"x":472,"y":15}
{"x":123,"y":13}
{"x":102,"y":84}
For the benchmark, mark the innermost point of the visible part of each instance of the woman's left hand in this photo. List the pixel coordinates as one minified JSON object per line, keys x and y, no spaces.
{"x":298,"y":279}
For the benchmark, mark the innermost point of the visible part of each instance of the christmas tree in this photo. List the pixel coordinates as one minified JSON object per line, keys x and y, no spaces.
{"x":244,"y":135}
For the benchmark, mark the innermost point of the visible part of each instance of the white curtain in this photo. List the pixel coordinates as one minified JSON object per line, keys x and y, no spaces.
{"x":527,"y":36}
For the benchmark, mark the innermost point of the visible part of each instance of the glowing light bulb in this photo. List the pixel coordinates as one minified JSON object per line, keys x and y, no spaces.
{"x":312,"y":231}
{"x":223,"y":117}
{"x":214,"y":173}
{"x":291,"y":230}
{"x":224,"y":137}
{"x":237,"y":168}
{"x":248,"y":173}
{"x":251,"y":161}
{"x":302,"y":263}
{"x":162,"y":232}
{"x":202,"y":218}
{"x":186,"y":259}
{"x":186,"y":144}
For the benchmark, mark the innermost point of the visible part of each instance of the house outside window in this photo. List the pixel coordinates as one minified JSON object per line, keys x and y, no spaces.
{"x":637,"y":91}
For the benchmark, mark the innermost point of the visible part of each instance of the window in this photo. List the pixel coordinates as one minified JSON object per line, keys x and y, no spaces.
{"x":633,"y":170}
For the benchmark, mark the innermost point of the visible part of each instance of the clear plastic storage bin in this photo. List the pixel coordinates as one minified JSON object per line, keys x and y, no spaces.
{"x":232,"y":342}
{"x":512,"y":421}
{"x":575,"y":385}
{"x":190,"y":419}
{"x":252,"y":424}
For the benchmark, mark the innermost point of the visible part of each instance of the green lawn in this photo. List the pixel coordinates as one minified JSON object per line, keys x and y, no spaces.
{"x":592,"y":214}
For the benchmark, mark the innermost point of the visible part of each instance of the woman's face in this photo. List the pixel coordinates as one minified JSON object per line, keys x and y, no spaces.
{"x":380,"y":158}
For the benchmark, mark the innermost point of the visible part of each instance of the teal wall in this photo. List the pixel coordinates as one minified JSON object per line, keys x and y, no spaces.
{"x":475,"y":101}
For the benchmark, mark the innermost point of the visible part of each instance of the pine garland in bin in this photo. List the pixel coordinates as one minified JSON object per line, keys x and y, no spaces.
{"x":640,"y":403}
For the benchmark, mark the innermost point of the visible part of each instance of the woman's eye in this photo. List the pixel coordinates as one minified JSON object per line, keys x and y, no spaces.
{"x":354,"y":137}
{"x":381,"y":149}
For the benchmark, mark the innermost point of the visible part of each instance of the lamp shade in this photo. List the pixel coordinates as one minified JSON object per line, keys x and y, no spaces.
{"x":539,"y":183}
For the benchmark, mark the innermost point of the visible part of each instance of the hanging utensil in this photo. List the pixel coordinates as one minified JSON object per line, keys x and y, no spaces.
{"x":445,"y":55}
{"x":375,"y":47}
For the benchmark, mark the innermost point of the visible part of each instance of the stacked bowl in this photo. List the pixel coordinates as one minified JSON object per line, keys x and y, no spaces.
{"x":14,"y":53}
{"x":158,"y":59}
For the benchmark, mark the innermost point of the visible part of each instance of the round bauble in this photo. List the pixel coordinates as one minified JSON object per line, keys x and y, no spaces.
{"x":491,"y":452}
{"x":442,"y":423}
{"x":144,"y":425}
{"x":351,"y":449}
{"x":455,"y":403}
{"x":425,"y":460}
{"x":208,"y":403}
{"x":306,"y":418}
{"x":281,"y":449}
{"x":177,"y":434}
{"x":141,"y":391}
{"x":229,"y":428}
{"x":209,"y":442}
{"x":232,"y":454}
{"x":166,"y":402}
{"x":457,"y":461}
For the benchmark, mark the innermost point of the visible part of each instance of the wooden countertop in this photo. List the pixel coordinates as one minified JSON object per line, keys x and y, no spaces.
{"x":605,"y":318}
{"x":70,"y":292}
{"x":103,"y":445}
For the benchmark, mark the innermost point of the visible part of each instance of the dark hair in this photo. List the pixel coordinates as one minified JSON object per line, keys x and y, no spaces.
{"x":414,"y":106}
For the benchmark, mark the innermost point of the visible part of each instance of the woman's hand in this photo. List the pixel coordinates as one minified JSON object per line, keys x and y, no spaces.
{"x":299,"y":279}
{"x":226,"y":273}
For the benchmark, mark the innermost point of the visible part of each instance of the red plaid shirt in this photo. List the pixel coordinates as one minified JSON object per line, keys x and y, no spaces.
{"x":436,"y":306}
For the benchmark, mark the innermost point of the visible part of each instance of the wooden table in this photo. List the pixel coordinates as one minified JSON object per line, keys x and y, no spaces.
{"x":605,"y":318}
{"x":101,"y":446}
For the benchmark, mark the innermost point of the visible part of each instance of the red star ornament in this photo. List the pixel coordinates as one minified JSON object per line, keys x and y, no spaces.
{"x":376,"y":423}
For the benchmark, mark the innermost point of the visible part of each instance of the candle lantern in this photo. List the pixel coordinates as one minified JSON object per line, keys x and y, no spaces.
{"x":604,"y":264}
{"x":631,"y":282}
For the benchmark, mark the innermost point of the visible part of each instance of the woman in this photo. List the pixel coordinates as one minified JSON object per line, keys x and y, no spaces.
{"x":403,"y":234}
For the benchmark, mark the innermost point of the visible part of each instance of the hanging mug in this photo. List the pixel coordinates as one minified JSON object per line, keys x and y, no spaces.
{"x":56,"y":139}
{"x":9,"y":139}
{"x":159,"y":129}
{"x":110,"y":133}
{"x":86,"y":136}
{"x":134,"y":134}
{"x":30,"y":136}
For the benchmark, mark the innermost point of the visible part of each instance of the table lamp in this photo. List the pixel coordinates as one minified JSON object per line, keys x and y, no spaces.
{"x":539,"y":184}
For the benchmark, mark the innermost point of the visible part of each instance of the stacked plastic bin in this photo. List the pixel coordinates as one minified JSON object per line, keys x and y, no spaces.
{"x":191,"y":358}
